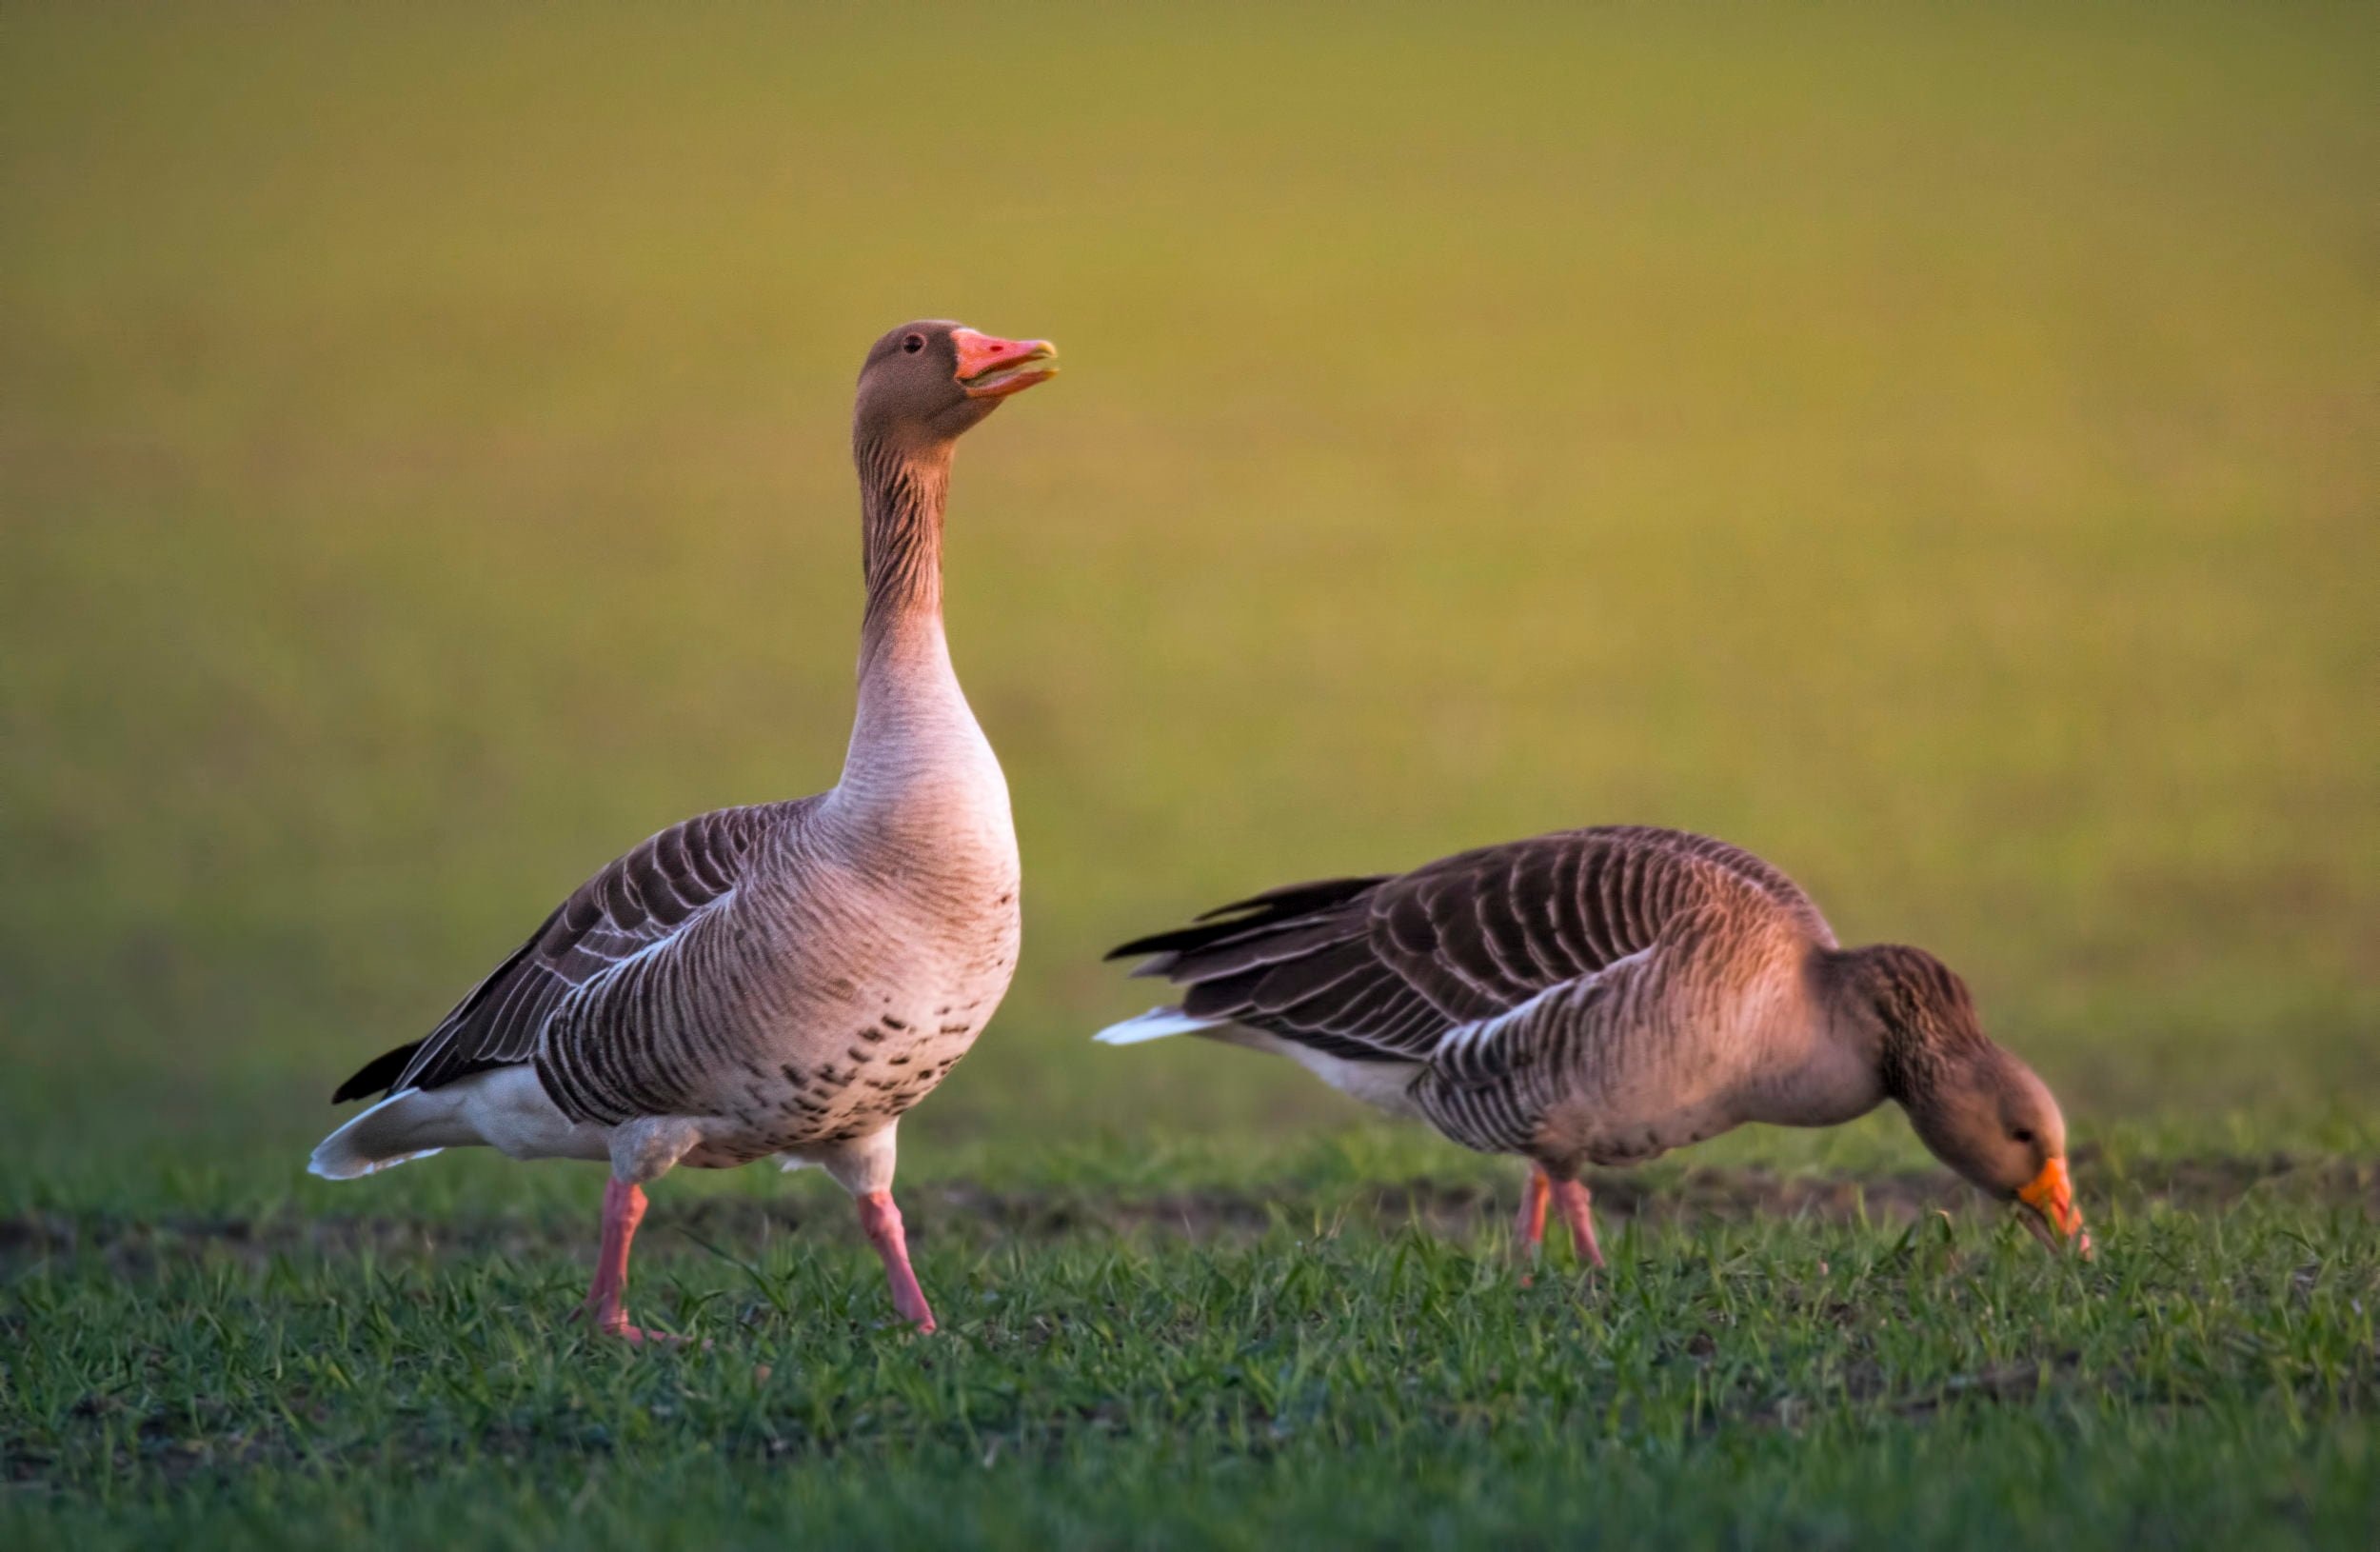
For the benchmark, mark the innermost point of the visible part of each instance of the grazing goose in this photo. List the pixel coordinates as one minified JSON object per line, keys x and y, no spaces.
{"x":782,"y":981}
{"x":1602,"y":996}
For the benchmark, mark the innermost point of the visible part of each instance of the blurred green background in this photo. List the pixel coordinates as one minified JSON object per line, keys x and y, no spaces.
{"x":1937,"y":449}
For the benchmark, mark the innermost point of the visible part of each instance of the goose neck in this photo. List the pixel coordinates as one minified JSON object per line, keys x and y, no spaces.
{"x":912,"y":720}
{"x":902,"y":489}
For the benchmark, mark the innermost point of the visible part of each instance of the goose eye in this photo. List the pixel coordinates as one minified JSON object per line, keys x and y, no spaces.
{"x":914,"y":344}
{"x":2022,"y":1134}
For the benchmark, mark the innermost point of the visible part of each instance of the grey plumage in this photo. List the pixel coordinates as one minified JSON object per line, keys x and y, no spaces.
{"x":796,"y":974}
{"x":1511,"y":979}
{"x":636,"y":904}
{"x":786,"y":979}
{"x":1600,"y":996}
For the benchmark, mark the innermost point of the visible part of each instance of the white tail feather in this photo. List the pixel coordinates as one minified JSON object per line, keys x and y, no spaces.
{"x":1155,"y":1024}
{"x":505,"y":1108}
{"x":376,"y":1139}
{"x":1385,"y":1083}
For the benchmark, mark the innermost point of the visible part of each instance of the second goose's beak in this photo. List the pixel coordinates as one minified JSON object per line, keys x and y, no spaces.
{"x":991,"y":368}
{"x":2049,"y":1203}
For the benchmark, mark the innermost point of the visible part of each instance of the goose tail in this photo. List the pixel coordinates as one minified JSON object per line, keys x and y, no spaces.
{"x":382,"y":1137}
{"x":1155,"y":1024}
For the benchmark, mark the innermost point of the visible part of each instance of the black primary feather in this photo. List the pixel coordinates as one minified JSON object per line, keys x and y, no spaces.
{"x":1383,"y":968}
{"x":1275,"y":907}
{"x":376,"y":1075}
{"x":635,"y":901}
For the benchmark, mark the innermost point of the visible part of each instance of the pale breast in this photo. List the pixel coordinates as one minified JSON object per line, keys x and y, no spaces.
{"x":1695,"y":1061}
{"x":1629,"y":1117}
{"x":856,"y":1036}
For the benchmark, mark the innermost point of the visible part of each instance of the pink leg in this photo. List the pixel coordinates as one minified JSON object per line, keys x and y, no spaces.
{"x":882,"y":1222}
{"x":1580,"y":1215}
{"x":624,"y":1209}
{"x":1529,"y":1228}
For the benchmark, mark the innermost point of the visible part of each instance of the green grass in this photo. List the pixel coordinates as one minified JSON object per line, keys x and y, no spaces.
{"x":1931,"y":448}
{"x":2210,"y":1379}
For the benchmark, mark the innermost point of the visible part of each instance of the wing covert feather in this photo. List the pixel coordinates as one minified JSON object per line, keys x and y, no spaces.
{"x":1381,"y":968}
{"x":636,"y":904}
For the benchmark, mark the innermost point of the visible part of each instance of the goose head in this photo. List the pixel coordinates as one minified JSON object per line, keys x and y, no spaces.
{"x":928,"y":382}
{"x":1973,"y":1103}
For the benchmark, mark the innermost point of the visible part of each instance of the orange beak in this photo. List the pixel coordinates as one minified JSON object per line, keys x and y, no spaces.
{"x":2050,"y":1196}
{"x":991,"y":368}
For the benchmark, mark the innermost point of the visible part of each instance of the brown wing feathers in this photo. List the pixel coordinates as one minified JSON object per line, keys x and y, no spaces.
{"x":639,"y":900}
{"x":1383,"y":968}
{"x":1252,"y":917}
{"x":376,"y":1076}
{"x":479,"y":1007}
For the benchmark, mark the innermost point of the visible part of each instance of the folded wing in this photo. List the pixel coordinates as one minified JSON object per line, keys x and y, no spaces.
{"x":637,"y":905}
{"x":1383,"y":968}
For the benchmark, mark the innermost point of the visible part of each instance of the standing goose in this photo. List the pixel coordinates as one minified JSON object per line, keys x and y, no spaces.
{"x":1602,"y":996}
{"x":782,"y":981}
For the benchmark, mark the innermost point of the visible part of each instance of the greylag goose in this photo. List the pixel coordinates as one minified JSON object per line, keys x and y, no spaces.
{"x":1602,"y":996}
{"x":782,"y":981}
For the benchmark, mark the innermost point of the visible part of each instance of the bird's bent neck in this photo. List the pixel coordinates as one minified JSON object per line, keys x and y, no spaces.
{"x":1868,"y":1010}
{"x":910,"y":709}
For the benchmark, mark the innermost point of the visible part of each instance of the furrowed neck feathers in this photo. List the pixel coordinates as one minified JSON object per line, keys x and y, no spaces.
{"x":912,"y":719}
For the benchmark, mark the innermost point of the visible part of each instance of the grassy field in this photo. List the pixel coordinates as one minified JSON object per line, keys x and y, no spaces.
{"x":1934,"y":449}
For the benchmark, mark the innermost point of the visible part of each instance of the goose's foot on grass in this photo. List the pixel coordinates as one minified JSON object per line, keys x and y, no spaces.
{"x":1579,"y":1212}
{"x":881,"y":1220}
{"x":624,"y":1209}
{"x":1529,"y":1228}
